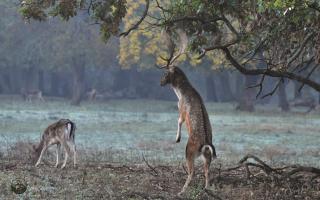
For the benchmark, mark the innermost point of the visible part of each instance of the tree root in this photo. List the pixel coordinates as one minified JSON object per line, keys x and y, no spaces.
{"x":284,"y":172}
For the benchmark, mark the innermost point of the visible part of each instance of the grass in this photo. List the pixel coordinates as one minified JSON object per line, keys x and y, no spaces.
{"x":112,"y":138}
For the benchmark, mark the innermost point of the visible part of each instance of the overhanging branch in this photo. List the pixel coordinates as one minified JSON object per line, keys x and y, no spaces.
{"x":269,"y":72}
{"x":126,"y":33}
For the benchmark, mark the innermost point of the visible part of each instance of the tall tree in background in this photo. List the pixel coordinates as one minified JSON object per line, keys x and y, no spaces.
{"x":287,"y":32}
{"x":68,"y":47}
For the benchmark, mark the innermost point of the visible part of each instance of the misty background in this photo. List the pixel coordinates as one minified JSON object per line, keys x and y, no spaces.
{"x":68,"y":60}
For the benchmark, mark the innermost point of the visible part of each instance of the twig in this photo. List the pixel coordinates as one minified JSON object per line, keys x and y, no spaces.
{"x":274,"y":89}
{"x":299,"y":50}
{"x":126,"y":33}
{"x":304,"y":169}
{"x":260,"y":85}
{"x":152,"y":168}
{"x":308,"y":76}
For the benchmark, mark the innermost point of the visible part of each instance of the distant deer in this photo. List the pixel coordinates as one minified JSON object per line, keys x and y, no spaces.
{"x":32,"y":94}
{"x":92,"y":94}
{"x":60,"y":133}
{"x":193,"y":112}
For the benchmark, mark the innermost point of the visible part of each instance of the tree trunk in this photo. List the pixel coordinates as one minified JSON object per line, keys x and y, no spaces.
{"x":15,"y":79}
{"x":248,"y":94}
{"x":239,"y":86}
{"x":211,"y":87}
{"x":32,"y":77}
{"x":54,"y":91}
{"x":4,"y":82}
{"x":78,"y":82}
{"x":41,"y":81}
{"x":283,"y":101}
{"x":226,"y":95}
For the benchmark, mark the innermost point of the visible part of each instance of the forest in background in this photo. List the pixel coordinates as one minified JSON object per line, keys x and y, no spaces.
{"x":68,"y":59}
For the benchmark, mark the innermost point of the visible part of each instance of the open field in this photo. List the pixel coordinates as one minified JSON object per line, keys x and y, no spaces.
{"x":113,"y":137}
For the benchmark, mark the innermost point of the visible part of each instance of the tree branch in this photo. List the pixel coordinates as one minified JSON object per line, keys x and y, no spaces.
{"x":260,"y":85}
{"x":299,"y":50}
{"x":126,"y":33}
{"x":308,"y":76}
{"x":222,"y":46}
{"x":274,"y":89}
{"x":269,"y":72}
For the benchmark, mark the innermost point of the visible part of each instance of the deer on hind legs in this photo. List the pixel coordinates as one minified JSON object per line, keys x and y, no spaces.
{"x":192,"y":111}
{"x":61,"y":133}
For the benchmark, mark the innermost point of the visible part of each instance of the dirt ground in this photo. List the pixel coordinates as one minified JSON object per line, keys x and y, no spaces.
{"x":144,"y":181}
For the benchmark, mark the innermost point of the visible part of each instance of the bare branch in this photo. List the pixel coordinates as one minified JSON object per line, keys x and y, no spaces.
{"x":299,"y":50}
{"x":147,"y":163}
{"x":161,"y":8}
{"x":260,"y":85}
{"x":274,"y":89}
{"x":126,"y":33}
{"x":308,"y":76}
{"x":307,"y":62}
{"x":222,"y":46}
{"x":269,"y":72}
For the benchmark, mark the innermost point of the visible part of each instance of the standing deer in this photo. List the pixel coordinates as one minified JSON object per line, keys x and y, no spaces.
{"x":193,"y":112}
{"x":29,"y":95}
{"x":60,"y":133}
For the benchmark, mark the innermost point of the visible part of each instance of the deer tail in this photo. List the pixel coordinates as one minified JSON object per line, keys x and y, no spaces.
{"x":208,"y":148}
{"x":71,"y":127}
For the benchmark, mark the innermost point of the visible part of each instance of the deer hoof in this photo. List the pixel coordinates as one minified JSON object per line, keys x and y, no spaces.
{"x":178,"y":140}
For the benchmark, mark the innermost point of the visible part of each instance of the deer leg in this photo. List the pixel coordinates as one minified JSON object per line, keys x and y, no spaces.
{"x":180,"y":122}
{"x":74,"y":151}
{"x":190,"y":155}
{"x":41,"y":154}
{"x":57,"y":152}
{"x":207,"y":161}
{"x":66,"y":154}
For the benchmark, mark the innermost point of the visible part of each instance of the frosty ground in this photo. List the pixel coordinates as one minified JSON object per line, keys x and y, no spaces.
{"x":116,"y":141}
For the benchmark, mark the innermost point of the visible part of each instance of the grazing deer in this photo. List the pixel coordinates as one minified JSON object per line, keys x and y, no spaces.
{"x":32,"y":94}
{"x":60,"y":133}
{"x":193,"y":112}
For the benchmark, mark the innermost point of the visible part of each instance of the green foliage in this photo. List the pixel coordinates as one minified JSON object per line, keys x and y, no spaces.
{"x":31,"y":10}
{"x":65,"y":9}
{"x":281,"y":25}
{"x":107,"y":13}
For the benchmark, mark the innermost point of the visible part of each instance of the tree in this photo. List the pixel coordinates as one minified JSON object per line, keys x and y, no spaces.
{"x":73,"y":46}
{"x":286,"y":31}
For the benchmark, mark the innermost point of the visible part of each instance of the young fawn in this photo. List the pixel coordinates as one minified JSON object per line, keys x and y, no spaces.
{"x":60,"y":133}
{"x":193,"y":112}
